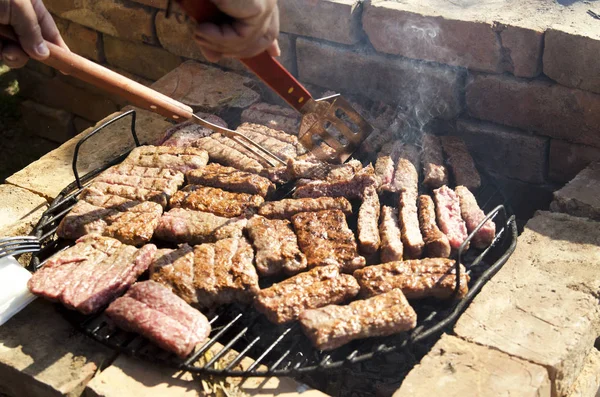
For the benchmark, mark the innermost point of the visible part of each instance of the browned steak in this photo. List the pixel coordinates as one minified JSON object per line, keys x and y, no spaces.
{"x":229,"y":178}
{"x":216,"y":201}
{"x":134,"y":228}
{"x":351,"y":189}
{"x":435,"y":173}
{"x":188,"y":132}
{"x":273,"y":116}
{"x":154,"y":312}
{"x":232,"y":143}
{"x":436,"y":242}
{"x":406,"y":175}
{"x":97,"y":270}
{"x":83,"y":219}
{"x":175,"y":269}
{"x":276,"y":246}
{"x":417,"y":278}
{"x":285,"y":301}
{"x":177,"y":158}
{"x":447,"y":207}
{"x":223,"y":154}
{"x":461,"y":162}
{"x":391,"y":237}
{"x":286,"y":208}
{"x":333,"y":326}
{"x":412,"y":239}
{"x":180,"y":225}
{"x":368,"y":222}
{"x":326,"y":239}
{"x":224,"y":273}
{"x":274,"y":141}
{"x":473,"y":216}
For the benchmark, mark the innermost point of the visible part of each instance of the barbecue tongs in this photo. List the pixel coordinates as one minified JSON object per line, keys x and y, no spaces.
{"x":330,"y":120}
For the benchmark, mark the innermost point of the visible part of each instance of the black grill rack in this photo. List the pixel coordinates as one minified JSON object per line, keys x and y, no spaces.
{"x":240,"y":332}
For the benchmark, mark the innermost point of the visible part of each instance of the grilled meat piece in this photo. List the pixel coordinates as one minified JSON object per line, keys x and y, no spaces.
{"x":168,"y":186}
{"x":134,"y":228}
{"x":285,"y":301}
{"x":351,"y":189}
{"x":384,"y":170}
{"x":128,"y":192}
{"x":461,"y":162}
{"x":344,"y":171}
{"x":180,"y":225}
{"x":447,"y":206}
{"x":418,"y":278}
{"x":188,"y":132}
{"x":333,"y":326}
{"x":286,"y":208}
{"x":229,"y":142}
{"x":224,"y":273}
{"x":435,"y":173}
{"x":83,"y":219}
{"x":406,"y":175}
{"x":175,"y":269}
{"x":368,"y":222}
{"x":473,"y":216}
{"x":276,"y":246}
{"x":229,"y":178}
{"x":176,"y":158}
{"x":273,"y":116}
{"x":436,"y":242}
{"x":90,"y":274}
{"x":274,"y":141}
{"x":412,"y":239}
{"x":307,"y":169}
{"x":278,"y":174}
{"x":326,"y":239}
{"x":154,"y":312}
{"x":391,"y":237}
{"x":145,"y":172}
{"x":226,"y":155}
{"x":216,"y":201}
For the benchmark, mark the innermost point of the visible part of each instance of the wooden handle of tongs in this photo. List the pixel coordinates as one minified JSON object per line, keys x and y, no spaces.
{"x":101,"y":77}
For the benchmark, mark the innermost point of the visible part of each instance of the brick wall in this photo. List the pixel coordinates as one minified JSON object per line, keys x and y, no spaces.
{"x":523,"y":91}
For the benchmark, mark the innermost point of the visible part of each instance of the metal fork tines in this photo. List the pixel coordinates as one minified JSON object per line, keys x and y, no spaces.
{"x":18,"y":245}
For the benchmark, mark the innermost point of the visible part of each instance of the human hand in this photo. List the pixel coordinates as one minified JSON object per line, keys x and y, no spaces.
{"x":255,"y":28}
{"x":32,"y":24}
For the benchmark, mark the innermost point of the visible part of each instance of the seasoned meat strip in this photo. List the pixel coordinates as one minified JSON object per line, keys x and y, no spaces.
{"x":461,"y":162}
{"x":231,"y":179}
{"x":286,"y":208}
{"x":216,"y":201}
{"x":391,"y":237}
{"x":224,"y":273}
{"x":344,"y":171}
{"x":368,"y":222}
{"x":406,"y":175}
{"x":435,"y":173}
{"x":412,"y":239}
{"x":180,"y":225}
{"x":134,"y":228}
{"x":333,"y":326}
{"x":473,"y":216}
{"x":177,"y":158}
{"x":436,"y":242}
{"x":243,"y":150}
{"x":153,"y":311}
{"x":272,"y":116}
{"x":128,"y":192}
{"x":417,"y":278}
{"x":83,"y":219}
{"x":175,"y":269}
{"x":188,"y":132}
{"x":326,"y":239}
{"x":226,"y":155}
{"x":351,"y":189}
{"x":168,"y":186}
{"x":268,"y":138}
{"x":384,"y":170}
{"x":307,"y":169}
{"x":145,"y":172}
{"x":447,"y":207}
{"x":276,"y":246}
{"x":285,"y":301}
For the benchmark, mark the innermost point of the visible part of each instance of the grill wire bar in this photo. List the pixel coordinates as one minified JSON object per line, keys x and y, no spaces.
{"x":239,"y":333}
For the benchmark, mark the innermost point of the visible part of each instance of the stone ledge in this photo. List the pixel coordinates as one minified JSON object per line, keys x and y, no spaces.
{"x":17,"y":205}
{"x":588,"y":382}
{"x":568,"y":159}
{"x":581,"y":196}
{"x":456,"y":368}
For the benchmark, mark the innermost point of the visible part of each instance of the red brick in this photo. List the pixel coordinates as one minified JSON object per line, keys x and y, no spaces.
{"x":81,"y":40}
{"x":505,"y":151}
{"x":120,"y":18}
{"x":412,"y":84}
{"x":568,"y":159}
{"x":333,"y":20}
{"x":58,"y":94}
{"x":140,"y":59}
{"x":540,"y":106}
{"x":460,"y":37}
{"x":571,"y":57}
{"x":53,"y":124}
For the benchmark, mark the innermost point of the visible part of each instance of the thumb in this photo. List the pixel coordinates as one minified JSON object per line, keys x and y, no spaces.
{"x":25,"y":23}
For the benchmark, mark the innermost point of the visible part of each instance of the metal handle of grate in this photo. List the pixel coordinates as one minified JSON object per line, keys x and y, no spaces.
{"x":239,"y":333}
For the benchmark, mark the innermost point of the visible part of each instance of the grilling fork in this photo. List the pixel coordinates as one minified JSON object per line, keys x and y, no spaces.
{"x":331,"y":120}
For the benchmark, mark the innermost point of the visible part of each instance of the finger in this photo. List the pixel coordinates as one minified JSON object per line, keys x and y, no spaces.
{"x":24,"y":20}
{"x":274,"y":49}
{"x":211,"y":56}
{"x":13,"y":56}
{"x":50,"y":31}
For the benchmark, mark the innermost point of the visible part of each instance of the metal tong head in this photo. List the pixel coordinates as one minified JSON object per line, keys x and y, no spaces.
{"x":331,"y":129}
